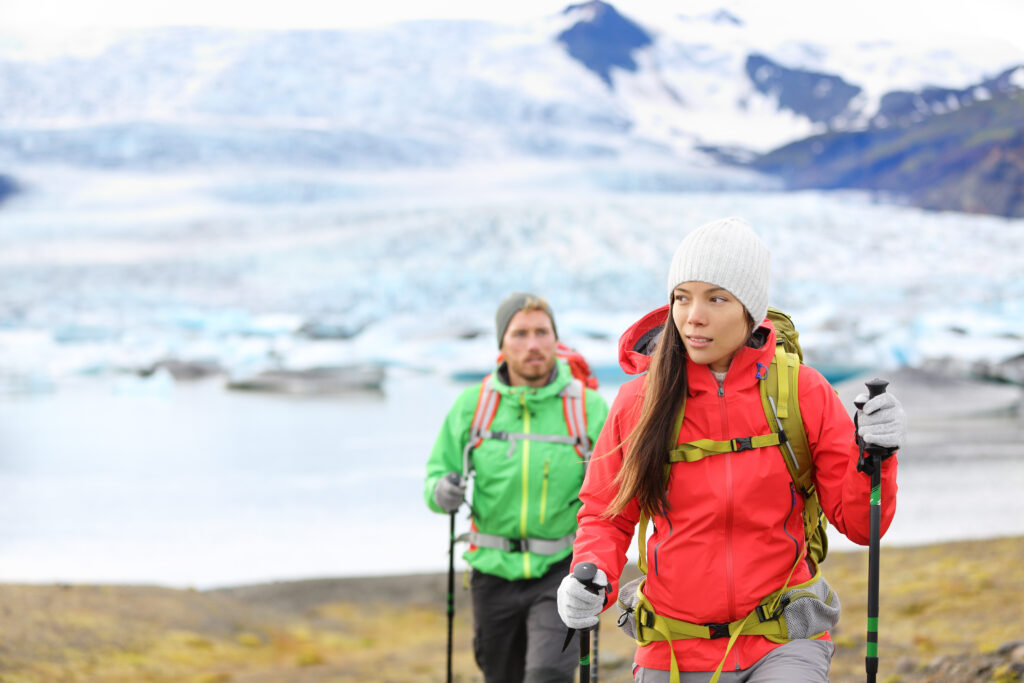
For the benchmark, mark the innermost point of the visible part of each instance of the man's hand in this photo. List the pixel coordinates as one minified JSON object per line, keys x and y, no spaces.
{"x":577,"y":606}
{"x":450,"y":492}
{"x":881,"y":422}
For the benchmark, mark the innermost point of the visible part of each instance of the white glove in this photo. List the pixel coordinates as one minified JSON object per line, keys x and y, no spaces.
{"x":449,"y":492}
{"x":881,"y":422}
{"x":577,"y":606}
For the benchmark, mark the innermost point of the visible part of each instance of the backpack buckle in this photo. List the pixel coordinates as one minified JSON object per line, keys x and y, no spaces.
{"x":517,"y":545}
{"x":742,"y":444}
{"x":718,"y":631}
{"x":763,"y":615}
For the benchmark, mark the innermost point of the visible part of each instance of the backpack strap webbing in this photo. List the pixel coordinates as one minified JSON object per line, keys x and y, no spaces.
{"x":574,"y":407}
{"x":486,"y":408}
{"x":780,"y":401}
{"x":767,"y":619}
{"x":540,"y":546}
{"x":783,"y":415}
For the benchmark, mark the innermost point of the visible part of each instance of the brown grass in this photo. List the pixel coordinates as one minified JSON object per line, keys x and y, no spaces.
{"x":939,"y":600}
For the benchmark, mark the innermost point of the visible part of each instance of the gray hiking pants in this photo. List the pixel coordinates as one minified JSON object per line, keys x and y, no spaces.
{"x":798,"y":661}
{"x":517,"y":633}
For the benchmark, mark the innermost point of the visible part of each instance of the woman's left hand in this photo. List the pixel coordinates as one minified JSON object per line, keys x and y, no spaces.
{"x":881,"y":422}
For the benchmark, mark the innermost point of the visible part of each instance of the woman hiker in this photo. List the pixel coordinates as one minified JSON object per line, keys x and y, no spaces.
{"x":728,"y":539}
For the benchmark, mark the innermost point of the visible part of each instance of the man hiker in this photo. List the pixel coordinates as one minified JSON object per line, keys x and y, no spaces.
{"x":522,"y":437}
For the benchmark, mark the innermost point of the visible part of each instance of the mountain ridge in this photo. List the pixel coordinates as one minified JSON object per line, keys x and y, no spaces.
{"x":967,"y":159}
{"x":589,"y":83}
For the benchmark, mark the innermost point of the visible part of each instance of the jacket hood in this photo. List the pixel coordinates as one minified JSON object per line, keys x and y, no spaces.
{"x":637,"y":343}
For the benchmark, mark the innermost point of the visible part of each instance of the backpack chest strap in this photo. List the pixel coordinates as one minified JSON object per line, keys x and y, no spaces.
{"x":573,"y":397}
{"x":514,"y":437}
{"x":702,"y":448}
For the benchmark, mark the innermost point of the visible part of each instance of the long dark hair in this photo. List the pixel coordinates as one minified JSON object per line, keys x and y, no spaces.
{"x":643,"y":469}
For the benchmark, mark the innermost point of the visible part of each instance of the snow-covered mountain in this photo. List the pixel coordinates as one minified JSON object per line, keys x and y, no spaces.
{"x":589,"y":83}
{"x":200,"y":193}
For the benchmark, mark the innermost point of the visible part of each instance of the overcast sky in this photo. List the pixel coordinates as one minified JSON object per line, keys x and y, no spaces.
{"x":862,"y":20}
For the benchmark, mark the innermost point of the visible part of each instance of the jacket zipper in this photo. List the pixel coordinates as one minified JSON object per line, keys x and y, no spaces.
{"x":785,"y":524}
{"x":729,"y":515}
{"x":729,"y":560}
{"x":544,"y":491}
{"x":526,"y":482}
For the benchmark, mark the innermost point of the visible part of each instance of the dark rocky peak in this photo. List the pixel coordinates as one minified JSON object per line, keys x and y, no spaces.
{"x":1009,"y":81}
{"x":602,"y":39}
{"x":724,"y":16}
{"x":902,"y":107}
{"x":820,"y":97}
{"x":7,"y":187}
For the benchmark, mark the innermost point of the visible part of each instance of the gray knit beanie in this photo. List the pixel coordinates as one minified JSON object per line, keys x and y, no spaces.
{"x":514,"y":303}
{"x":728,"y":254}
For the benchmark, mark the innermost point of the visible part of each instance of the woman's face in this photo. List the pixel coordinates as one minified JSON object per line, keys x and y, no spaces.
{"x":711,"y":321}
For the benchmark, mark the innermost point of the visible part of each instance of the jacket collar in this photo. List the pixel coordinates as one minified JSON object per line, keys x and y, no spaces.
{"x":637,"y":344}
{"x":560,"y":377}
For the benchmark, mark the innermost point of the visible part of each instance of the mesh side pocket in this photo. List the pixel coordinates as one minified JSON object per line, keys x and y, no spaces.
{"x":811,"y":610}
{"x":628,"y":597}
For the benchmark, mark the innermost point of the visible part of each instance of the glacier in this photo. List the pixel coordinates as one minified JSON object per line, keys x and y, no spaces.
{"x":125,"y":269}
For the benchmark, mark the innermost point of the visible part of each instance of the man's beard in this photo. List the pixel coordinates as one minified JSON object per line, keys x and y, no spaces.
{"x":527,"y":371}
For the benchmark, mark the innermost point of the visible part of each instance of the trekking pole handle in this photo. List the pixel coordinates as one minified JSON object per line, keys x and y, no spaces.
{"x":457,"y":479}
{"x":584,"y":572}
{"x":876,"y":387}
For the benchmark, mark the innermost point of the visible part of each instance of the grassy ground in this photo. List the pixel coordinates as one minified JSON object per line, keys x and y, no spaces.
{"x":950,"y":601}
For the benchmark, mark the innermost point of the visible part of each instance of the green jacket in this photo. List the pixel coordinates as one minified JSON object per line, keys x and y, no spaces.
{"x":532,"y":492}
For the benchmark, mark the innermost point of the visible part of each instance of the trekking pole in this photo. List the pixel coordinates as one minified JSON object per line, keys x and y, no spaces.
{"x":451,"y":589}
{"x":585,"y":573}
{"x":873,"y":466}
{"x":594,"y":650}
{"x":451,"y":579}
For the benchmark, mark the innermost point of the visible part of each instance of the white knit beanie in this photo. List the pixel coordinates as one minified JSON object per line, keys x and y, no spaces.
{"x":728,"y":254}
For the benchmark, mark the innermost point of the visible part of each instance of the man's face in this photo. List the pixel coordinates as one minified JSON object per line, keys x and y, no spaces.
{"x":529,"y":347}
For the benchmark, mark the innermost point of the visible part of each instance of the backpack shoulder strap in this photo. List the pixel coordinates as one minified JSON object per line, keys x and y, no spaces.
{"x":781,"y":401}
{"x":574,"y":407}
{"x":483,"y":416}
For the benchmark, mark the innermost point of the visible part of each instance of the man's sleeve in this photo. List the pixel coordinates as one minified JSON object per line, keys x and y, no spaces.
{"x":451,"y":440}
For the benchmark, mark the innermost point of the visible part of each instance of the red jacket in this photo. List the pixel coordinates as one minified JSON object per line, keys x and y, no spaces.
{"x":734,"y":525}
